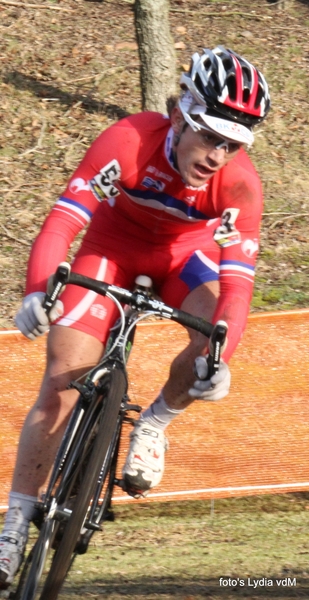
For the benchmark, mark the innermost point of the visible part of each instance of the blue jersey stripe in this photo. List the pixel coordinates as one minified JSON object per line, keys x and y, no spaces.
{"x":168,"y":201}
{"x":74,"y":204}
{"x":236,"y":263}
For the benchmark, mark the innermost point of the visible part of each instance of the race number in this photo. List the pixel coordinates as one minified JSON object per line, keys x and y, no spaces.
{"x":227,"y":234}
{"x":102,"y":184}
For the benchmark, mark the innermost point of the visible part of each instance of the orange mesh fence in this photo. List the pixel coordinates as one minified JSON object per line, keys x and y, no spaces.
{"x":254,"y":441}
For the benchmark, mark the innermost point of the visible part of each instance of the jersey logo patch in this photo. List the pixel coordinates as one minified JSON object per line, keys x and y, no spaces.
{"x":250,"y":247}
{"x":157,"y":173}
{"x":101,"y":184}
{"x":226,"y":234}
{"x":78,"y":185}
{"x":148,"y":182}
{"x":98,"y":311}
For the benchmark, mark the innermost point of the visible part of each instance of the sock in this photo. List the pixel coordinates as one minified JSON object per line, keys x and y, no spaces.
{"x":20,"y":512}
{"x":158,"y":414}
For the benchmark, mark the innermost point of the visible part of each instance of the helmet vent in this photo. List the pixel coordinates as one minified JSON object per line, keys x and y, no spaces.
{"x":207,"y":63}
{"x":259,"y":97}
{"x":227,"y":63}
{"x":246,"y":96}
{"x":247,"y":76}
{"x":231,"y":84}
{"x":199,"y":85}
{"x":216,"y":85}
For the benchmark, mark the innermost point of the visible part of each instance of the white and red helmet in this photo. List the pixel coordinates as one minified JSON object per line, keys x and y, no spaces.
{"x":221,"y":85}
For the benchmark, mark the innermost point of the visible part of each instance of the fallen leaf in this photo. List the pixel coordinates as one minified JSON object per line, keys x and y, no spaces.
{"x":180,"y":45}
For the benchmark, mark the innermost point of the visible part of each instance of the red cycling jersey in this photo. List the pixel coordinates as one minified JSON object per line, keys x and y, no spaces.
{"x":127,"y":182}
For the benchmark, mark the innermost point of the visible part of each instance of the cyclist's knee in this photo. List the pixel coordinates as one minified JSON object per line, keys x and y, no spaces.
{"x":71,"y":352}
{"x":70,"y":355}
{"x":197,"y":344}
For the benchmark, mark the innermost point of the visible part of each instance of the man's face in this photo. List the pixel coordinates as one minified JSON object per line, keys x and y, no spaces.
{"x":200,"y":153}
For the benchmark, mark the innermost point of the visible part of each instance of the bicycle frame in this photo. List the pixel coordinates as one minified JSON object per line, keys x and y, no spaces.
{"x":104,"y":384}
{"x":117,"y":352}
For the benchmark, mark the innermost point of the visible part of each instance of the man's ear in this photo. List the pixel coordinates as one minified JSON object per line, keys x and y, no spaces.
{"x":177,"y":120}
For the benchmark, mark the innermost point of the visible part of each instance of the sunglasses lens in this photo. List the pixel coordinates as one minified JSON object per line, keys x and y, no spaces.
{"x":228,"y":146}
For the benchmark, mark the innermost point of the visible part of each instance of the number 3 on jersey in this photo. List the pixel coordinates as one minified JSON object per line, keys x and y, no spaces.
{"x":102,"y":184}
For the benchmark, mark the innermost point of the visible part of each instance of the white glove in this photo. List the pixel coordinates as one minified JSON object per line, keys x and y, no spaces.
{"x":32,"y":320}
{"x":215,"y":388}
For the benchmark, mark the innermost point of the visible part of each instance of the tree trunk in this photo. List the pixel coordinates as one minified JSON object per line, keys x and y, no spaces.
{"x":156,"y":52}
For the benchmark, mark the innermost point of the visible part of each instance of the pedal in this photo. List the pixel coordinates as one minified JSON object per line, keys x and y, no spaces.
{"x":109,"y":515}
{"x":38,"y":518}
{"x":40,"y":506}
{"x":129,"y":420}
{"x":135,"y":493}
{"x":134,"y":407}
{"x":83,"y":542}
{"x":132,"y":490}
{"x":4,"y":593}
{"x":120,"y":483}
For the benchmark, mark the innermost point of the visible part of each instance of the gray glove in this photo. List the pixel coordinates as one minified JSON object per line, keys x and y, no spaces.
{"x":215,"y":388}
{"x":32,"y":320}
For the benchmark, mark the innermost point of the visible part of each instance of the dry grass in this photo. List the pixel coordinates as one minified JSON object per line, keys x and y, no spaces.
{"x":252,"y":548}
{"x":69,"y":69}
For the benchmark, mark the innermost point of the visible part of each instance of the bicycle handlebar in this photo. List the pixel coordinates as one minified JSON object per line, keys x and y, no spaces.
{"x":137,"y":299}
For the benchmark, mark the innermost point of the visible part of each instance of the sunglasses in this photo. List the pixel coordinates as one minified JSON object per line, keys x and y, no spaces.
{"x":207,"y":137}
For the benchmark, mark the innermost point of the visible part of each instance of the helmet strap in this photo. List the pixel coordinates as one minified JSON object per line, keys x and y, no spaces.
{"x":176,"y":141}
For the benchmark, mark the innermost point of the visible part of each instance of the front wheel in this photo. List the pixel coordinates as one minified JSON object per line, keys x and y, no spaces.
{"x":108,"y":420}
{"x":34,"y":564}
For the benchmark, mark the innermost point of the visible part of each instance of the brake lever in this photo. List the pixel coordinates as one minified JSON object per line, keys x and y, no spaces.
{"x":216,"y":343}
{"x":61,"y":277}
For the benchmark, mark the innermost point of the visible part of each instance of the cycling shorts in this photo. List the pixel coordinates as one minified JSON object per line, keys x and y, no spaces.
{"x":176,"y":264}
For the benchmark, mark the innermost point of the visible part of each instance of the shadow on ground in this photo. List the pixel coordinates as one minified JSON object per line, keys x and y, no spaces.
{"x":47,"y":91}
{"x":165,"y":587}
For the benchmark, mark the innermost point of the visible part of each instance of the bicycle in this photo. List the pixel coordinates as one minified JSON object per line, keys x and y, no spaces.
{"x":79,"y":494}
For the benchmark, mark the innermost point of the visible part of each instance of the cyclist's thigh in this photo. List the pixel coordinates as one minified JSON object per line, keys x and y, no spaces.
{"x":84,"y":310}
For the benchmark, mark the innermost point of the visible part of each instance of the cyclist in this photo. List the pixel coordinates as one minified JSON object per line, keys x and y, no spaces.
{"x":173,"y":197}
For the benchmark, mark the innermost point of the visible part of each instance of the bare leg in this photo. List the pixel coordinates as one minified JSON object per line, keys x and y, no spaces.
{"x":70,"y":353}
{"x":144,"y":465}
{"x":201,"y":302}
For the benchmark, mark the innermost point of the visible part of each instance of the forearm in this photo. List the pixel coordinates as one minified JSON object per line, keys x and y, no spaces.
{"x":234,"y":309}
{"x":49,"y":249}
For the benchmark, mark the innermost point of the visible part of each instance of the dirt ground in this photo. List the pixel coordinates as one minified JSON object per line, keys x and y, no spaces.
{"x":71,"y":68}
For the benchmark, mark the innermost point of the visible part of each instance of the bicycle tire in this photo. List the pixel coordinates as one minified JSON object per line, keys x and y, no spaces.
{"x":29,"y":579}
{"x":63,"y":556}
{"x":35,"y":562}
{"x":101,"y":504}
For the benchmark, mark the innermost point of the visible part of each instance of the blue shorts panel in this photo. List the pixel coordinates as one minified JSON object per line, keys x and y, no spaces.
{"x":198,"y":270}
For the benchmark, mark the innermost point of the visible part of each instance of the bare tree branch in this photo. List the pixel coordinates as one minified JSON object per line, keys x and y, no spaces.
{"x":26,"y":5}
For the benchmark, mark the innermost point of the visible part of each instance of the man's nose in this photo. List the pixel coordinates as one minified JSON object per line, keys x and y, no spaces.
{"x":217,"y":156}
